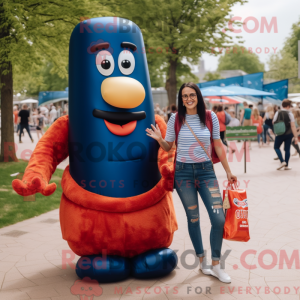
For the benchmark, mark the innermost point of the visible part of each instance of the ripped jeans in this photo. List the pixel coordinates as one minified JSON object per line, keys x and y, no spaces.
{"x":190,"y":178}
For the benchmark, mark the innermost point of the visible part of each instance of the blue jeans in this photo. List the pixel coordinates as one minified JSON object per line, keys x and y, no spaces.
{"x":287,"y":139}
{"x":266,"y":132}
{"x":22,"y":127}
{"x":201,"y":178}
{"x":259,"y":137}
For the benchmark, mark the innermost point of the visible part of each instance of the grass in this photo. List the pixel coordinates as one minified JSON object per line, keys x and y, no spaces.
{"x":13,"y":208}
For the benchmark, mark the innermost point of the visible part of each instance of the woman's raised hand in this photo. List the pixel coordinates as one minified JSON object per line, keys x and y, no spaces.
{"x":154,"y":132}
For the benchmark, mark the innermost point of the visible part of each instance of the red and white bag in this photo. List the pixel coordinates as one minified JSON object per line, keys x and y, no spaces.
{"x":236,"y":226}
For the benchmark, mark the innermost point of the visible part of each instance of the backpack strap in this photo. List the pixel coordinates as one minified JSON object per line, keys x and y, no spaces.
{"x":176,"y":128}
{"x":287,"y":122}
{"x":209,"y":124}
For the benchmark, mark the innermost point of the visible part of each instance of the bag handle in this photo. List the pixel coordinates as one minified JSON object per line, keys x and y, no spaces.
{"x":232,"y":186}
{"x":187,"y":124}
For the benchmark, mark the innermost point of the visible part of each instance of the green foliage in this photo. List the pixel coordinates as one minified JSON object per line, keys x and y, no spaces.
{"x":13,"y":208}
{"x":42,"y":79}
{"x":283,"y":65}
{"x":184,"y":75}
{"x":238,"y":58}
{"x":183,"y":29}
{"x":209,"y":76}
{"x":34,"y":32}
{"x":291,"y":43}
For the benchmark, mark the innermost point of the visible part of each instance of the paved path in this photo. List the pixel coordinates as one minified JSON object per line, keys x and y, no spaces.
{"x":31,"y":251}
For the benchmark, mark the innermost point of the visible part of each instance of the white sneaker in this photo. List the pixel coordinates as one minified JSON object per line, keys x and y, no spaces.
{"x":220,"y":274}
{"x":287,"y":168}
{"x":283,"y":164}
{"x":205,"y":271}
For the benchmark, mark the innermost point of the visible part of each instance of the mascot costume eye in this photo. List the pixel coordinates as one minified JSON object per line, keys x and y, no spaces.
{"x":116,"y":209}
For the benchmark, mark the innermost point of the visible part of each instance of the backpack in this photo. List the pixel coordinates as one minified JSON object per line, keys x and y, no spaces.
{"x":227,"y":118}
{"x":282,"y":124}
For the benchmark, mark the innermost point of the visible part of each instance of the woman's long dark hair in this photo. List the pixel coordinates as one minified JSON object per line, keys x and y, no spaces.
{"x":201,"y":109}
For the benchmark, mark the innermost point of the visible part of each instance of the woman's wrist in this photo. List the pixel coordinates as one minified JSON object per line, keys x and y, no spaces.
{"x":160,"y":140}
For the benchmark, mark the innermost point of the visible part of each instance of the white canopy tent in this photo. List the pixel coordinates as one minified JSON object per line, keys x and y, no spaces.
{"x":29,"y":101}
{"x":54,"y":101}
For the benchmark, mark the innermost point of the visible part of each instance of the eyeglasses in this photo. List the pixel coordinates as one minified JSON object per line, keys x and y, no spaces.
{"x":185,"y":97}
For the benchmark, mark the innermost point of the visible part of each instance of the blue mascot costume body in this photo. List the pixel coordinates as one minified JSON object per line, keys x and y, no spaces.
{"x":109,"y":81}
{"x":116,"y":209}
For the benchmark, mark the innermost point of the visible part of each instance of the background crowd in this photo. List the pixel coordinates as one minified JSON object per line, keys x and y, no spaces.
{"x":259,"y":115}
{"x":35,"y":119}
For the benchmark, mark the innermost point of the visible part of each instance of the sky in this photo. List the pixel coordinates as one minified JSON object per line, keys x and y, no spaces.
{"x":284,"y":13}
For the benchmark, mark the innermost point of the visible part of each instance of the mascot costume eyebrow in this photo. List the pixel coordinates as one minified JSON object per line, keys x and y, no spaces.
{"x":116,"y":209}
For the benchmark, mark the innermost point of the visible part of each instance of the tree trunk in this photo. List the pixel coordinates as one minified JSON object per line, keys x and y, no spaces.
{"x":7,"y":121}
{"x":171,"y":83}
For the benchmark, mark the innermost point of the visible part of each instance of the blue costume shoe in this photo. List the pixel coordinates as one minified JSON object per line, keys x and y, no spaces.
{"x":154,"y":263}
{"x":110,"y":268}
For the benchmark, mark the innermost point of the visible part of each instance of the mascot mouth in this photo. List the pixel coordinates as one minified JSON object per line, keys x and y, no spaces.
{"x":119,"y":123}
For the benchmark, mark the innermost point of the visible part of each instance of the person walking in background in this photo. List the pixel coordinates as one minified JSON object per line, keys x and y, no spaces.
{"x":33,"y":116}
{"x":268,"y":124}
{"x":297,"y":124}
{"x":40,"y":123}
{"x":257,"y":121}
{"x":23,"y":120}
{"x":221,"y":117}
{"x":53,"y":114}
{"x":287,"y":117}
{"x":245,"y":118}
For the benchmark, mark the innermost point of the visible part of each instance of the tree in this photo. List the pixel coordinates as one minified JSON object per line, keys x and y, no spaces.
{"x":178,"y":29}
{"x":30,"y":32}
{"x":291,"y":43}
{"x":43,"y":79}
{"x":184,"y":74}
{"x":238,"y":58}
{"x":209,"y":76}
{"x":283,"y":65}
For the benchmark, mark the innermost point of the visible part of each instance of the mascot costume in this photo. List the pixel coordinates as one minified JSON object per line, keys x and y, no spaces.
{"x":116,"y":209}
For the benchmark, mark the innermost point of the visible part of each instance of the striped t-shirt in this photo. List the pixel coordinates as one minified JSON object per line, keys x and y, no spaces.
{"x":188,"y":149}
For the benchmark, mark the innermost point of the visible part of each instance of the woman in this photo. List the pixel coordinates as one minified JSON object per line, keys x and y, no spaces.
{"x":221,"y":118}
{"x":257,"y":121}
{"x":297,"y":124}
{"x":40,"y":123}
{"x":268,"y":119}
{"x":194,"y":171}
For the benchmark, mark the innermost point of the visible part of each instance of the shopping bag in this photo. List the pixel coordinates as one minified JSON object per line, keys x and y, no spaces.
{"x":236,"y":226}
